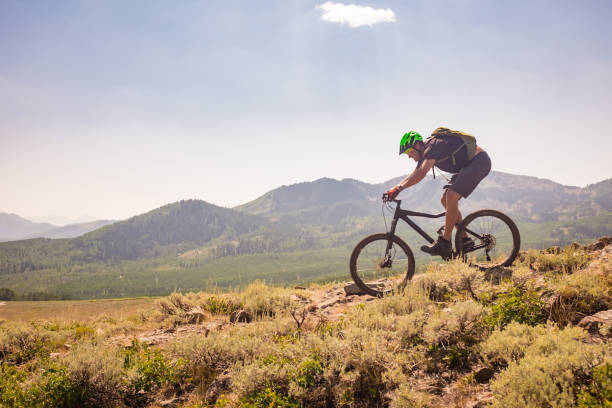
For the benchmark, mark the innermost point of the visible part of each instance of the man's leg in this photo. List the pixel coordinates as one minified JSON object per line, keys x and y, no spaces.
{"x":442,"y":246}
{"x":453,"y":216}
{"x":459,"y":217}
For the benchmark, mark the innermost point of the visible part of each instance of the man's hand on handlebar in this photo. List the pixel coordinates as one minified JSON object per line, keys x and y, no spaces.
{"x":391,"y":194}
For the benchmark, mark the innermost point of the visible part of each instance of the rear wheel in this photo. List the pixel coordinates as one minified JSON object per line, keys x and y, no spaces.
{"x":377,"y":271}
{"x":496,"y":239}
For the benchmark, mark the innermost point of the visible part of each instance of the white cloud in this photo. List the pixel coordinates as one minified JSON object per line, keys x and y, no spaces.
{"x":353,"y":15}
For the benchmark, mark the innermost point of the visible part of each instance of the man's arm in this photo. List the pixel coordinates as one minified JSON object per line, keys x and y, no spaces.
{"x":417,"y":175}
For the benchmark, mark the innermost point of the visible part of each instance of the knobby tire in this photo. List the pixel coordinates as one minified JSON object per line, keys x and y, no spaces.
{"x":470,"y":222}
{"x":370,"y":241}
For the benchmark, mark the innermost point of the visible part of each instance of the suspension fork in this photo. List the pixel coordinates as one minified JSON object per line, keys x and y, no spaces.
{"x":391,"y":231}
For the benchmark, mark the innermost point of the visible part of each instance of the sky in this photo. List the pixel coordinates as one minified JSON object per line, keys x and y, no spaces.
{"x":113,"y":108}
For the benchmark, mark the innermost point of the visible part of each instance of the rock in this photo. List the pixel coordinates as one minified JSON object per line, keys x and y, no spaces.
{"x":241,"y":316}
{"x":483,"y":401}
{"x":196,"y":315}
{"x":539,"y":282}
{"x":593,"y":323}
{"x":328,"y":303}
{"x":601,"y":243}
{"x":484,"y":374}
{"x":299,"y":287}
{"x":169,"y":403}
{"x":550,"y":299}
{"x":352,"y":289}
{"x":217,"y":387}
{"x":497,"y":274}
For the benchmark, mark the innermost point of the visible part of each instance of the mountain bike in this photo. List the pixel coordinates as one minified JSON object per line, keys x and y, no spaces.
{"x":383,"y":263}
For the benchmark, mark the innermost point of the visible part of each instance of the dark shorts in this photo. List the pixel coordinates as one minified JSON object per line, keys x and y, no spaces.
{"x":468,"y":178}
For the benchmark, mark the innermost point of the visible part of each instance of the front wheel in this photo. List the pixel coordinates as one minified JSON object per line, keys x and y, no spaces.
{"x":496,"y":239}
{"x":378,"y":271}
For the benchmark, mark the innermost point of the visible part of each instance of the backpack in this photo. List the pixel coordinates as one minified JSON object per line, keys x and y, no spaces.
{"x":468,"y":140}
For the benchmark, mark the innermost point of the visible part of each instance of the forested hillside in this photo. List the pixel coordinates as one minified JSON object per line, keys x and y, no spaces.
{"x":290,"y":235}
{"x":166,"y":231}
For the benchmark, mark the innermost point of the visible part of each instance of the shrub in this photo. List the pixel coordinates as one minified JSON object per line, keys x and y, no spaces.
{"x":260,"y":299}
{"x":450,"y":334}
{"x":554,"y":366}
{"x":81,"y":331}
{"x":20,"y":343}
{"x":508,"y":345}
{"x":448,"y":326}
{"x":410,"y":328}
{"x":436,"y":290}
{"x":98,"y":371}
{"x":173,"y":309}
{"x":363,"y":363}
{"x":583,"y":293}
{"x":309,"y":372}
{"x":413,"y":298}
{"x":565,"y":261}
{"x":49,"y":386}
{"x":599,"y":392}
{"x":221,"y":305}
{"x":251,"y":379}
{"x":523,"y":306}
{"x":207,"y":357}
{"x":269,"y":397}
{"x":573,"y":303}
{"x":151,"y":368}
{"x":405,"y":397}
{"x":452,"y":280}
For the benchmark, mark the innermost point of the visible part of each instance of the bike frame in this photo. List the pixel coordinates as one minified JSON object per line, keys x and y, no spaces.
{"x":403,"y":215}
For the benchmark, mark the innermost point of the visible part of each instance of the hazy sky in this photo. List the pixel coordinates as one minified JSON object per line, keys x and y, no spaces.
{"x":113,"y":108}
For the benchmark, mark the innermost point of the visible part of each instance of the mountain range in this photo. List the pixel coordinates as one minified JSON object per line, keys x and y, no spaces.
{"x":13,"y":228}
{"x":528,"y":198}
{"x":294,"y":233}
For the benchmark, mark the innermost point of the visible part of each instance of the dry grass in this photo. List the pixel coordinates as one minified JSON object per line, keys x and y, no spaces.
{"x":78,"y":310}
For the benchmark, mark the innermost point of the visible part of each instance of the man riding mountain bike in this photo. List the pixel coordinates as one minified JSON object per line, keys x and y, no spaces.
{"x":452,"y":152}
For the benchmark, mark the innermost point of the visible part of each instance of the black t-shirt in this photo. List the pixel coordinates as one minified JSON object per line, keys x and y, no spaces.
{"x":440,"y":148}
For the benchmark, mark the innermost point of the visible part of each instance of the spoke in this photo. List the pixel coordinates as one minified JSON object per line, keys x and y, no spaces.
{"x":492,"y":233}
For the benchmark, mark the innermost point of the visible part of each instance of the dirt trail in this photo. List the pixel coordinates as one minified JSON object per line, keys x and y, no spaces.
{"x":320,"y":304}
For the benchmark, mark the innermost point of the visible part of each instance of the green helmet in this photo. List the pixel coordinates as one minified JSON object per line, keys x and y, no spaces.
{"x":408,"y":140}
